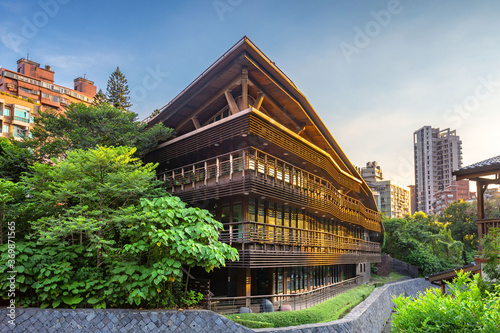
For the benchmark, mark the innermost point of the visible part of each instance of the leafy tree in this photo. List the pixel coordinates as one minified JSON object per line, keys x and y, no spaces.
{"x":86,"y":127}
{"x":93,"y":189}
{"x":461,"y":220}
{"x":491,"y":251}
{"x":14,"y":160}
{"x":117,"y":90}
{"x":106,"y":236}
{"x":100,"y":98}
{"x":422,"y":242}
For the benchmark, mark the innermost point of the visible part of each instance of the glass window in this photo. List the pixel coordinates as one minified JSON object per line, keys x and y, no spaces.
{"x":225,"y":212}
{"x":280,"y":281}
{"x":237,"y":212}
{"x":262,"y":216}
{"x":279,"y":215}
{"x":251,"y":210}
{"x":6,"y":112}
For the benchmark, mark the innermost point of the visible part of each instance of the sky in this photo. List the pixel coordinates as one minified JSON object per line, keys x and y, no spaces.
{"x":374,"y":71}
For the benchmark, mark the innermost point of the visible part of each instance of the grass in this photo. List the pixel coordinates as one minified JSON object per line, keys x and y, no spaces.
{"x":379,"y":281}
{"x":327,"y":311}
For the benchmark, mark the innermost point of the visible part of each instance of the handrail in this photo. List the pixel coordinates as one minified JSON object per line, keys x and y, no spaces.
{"x":344,"y":207}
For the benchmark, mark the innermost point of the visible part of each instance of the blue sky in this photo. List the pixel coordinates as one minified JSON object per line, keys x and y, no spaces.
{"x":375,"y":71}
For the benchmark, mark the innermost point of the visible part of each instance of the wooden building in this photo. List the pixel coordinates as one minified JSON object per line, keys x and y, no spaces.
{"x":250,"y":148}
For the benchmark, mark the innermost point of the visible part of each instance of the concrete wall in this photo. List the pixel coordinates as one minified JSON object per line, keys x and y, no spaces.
{"x":369,"y":316}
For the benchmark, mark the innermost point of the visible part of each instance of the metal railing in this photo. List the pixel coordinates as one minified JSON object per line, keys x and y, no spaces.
{"x":296,"y":301}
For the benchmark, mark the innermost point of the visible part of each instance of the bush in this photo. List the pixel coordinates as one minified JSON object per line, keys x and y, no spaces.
{"x":468,"y":308}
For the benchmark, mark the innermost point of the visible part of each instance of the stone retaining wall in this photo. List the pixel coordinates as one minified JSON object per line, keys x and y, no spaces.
{"x":117,"y":320}
{"x":369,"y":316}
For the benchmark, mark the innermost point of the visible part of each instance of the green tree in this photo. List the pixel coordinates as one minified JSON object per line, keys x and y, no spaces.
{"x":86,"y":127}
{"x":94,"y":189}
{"x":491,"y":251}
{"x":460,"y":218}
{"x":117,"y":90}
{"x":422,"y":242}
{"x":100,"y":98}
{"x":106,"y":236}
{"x":14,"y":160}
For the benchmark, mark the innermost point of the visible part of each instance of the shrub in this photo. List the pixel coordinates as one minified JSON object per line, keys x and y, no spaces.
{"x":468,"y":308}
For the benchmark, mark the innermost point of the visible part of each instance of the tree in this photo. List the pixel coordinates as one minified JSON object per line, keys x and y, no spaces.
{"x":86,"y":127}
{"x":421,"y":242}
{"x":107,"y":236}
{"x":14,"y":160}
{"x":99,"y":98}
{"x":93,"y":189}
{"x":461,"y":220}
{"x":117,"y":90}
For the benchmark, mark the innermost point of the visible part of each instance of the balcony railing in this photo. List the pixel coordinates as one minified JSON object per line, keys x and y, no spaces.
{"x":255,"y":232}
{"x":24,"y":120}
{"x":276,"y":173}
{"x":297,"y":301}
{"x":484,"y":225}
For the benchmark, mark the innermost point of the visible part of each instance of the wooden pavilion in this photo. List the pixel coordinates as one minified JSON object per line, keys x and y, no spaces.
{"x":484,"y":173}
{"x":250,"y":148}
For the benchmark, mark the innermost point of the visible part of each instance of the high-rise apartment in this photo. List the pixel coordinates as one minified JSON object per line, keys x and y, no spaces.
{"x":393,"y":200}
{"x":437,"y":153}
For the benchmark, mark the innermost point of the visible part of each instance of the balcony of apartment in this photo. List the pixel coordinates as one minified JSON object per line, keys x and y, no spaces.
{"x":245,"y":171}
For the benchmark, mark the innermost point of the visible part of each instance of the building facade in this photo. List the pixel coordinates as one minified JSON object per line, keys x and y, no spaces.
{"x":458,"y":190}
{"x":250,"y":148}
{"x":31,"y":89}
{"x":437,"y":153}
{"x":393,"y":200}
{"x":16,"y":116}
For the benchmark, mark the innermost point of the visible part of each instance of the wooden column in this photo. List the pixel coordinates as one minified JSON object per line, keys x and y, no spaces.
{"x":244,"y":88}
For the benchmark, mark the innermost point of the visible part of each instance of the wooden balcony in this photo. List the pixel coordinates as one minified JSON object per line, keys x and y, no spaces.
{"x":252,"y":170}
{"x":266,"y":245}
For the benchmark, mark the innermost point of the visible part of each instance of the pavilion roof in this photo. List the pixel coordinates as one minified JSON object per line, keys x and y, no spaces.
{"x":490,"y":166}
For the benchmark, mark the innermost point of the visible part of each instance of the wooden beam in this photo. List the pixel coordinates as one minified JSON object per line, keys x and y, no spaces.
{"x":196,"y":123}
{"x":233,"y":82}
{"x":161,"y":118}
{"x":277,"y":105}
{"x":244,"y":88}
{"x":258,"y":101}
{"x":233,"y":108}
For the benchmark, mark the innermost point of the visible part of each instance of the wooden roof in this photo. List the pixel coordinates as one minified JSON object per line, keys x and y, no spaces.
{"x":281,"y":101}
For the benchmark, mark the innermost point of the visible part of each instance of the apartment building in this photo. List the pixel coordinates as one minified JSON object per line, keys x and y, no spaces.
{"x":393,"y":200}
{"x":458,"y":190}
{"x":30,"y":89}
{"x":437,"y":153}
